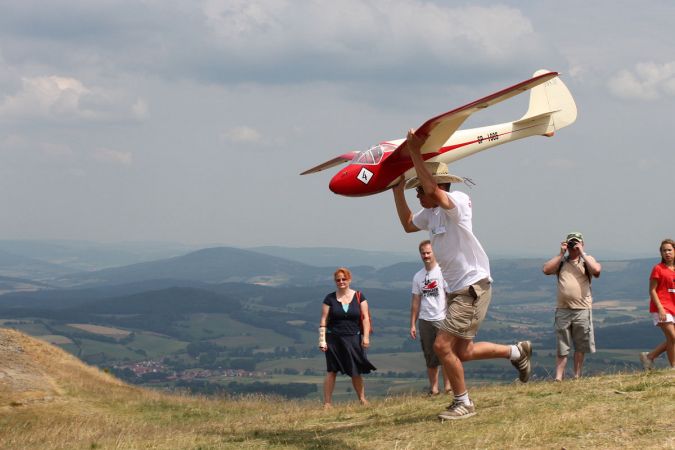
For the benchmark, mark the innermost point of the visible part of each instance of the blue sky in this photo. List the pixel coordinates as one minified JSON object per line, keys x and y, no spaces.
{"x":190,"y":121}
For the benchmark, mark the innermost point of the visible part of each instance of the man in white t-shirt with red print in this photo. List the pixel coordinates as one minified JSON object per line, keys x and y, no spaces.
{"x":427,"y":307}
{"x":466,"y":269}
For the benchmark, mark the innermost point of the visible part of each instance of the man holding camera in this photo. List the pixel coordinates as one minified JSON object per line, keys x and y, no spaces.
{"x":573,"y":316}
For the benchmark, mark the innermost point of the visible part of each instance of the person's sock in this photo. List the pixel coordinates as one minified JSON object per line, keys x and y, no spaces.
{"x":515,"y":353}
{"x":464,"y":398}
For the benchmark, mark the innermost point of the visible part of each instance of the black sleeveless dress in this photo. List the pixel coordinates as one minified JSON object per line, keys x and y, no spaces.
{"x":343,"y":336}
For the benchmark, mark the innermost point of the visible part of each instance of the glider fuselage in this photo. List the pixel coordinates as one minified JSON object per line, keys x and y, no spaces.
{"x":361,"y":179}
{"x":551,"y":107}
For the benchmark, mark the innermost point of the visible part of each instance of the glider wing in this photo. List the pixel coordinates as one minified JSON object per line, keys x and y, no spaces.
{"x":345,"y":157}
{"x":439,"y":129}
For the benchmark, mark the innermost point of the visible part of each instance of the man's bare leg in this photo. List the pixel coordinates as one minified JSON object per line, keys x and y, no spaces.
{"x":444,"y":346}
{"x":446,"y":381}
{"x":432,"y":373}
{"x":578,"y":363}
{"x":467,"y":350}
{"x":560,"y":364}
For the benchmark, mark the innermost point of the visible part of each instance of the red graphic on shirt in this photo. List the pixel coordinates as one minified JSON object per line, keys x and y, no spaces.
{"x":430,"y":288}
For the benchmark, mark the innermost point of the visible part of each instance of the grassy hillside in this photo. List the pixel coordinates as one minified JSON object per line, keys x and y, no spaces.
{"x":49,"y":399}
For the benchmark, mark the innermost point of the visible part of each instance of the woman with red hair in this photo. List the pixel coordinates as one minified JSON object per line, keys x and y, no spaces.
{"x":344,"y":336}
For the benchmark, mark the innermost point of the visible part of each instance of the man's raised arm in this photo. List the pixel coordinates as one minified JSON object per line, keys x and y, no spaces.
{"x":425,"y":177}
{"x":402,"y":209}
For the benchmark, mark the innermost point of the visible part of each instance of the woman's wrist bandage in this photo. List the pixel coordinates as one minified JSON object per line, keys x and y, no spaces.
{"x":322,"y":337}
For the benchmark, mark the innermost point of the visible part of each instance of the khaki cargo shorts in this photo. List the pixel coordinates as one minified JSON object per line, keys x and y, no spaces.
{"x":574,"y":326}
{"x":466,"y":309}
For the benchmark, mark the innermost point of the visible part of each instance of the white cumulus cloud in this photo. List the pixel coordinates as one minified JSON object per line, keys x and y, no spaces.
{"x":64,"y":98}
{"x":647,"y":81}
{"x":242,"y":134}
{"x":364,"y":39}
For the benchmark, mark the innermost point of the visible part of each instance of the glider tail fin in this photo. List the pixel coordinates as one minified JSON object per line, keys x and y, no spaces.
{"x":551,"y":106}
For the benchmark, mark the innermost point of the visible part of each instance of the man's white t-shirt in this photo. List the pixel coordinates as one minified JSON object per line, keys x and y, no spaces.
{"x":431,"y":287}
{"x":458,"y":252}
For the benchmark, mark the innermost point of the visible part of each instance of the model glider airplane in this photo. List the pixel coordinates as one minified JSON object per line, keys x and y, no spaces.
{"x":379,"y":168}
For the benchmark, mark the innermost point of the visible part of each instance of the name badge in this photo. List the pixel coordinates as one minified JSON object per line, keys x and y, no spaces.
{"x":438,"y":230}
{"x":671,"y":290}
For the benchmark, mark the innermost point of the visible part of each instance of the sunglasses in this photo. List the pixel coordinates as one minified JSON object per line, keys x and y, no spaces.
{"x":337,"y":280}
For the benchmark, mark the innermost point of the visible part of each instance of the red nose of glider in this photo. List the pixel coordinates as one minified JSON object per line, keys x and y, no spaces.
{"x":339,"y":183}
{"x":354,"y":181}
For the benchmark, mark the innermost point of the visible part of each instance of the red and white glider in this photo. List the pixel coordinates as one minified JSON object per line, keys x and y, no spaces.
{"x":379,"y":168}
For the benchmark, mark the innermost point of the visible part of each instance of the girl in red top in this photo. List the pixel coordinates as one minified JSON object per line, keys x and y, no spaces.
{"x":662,"y":304}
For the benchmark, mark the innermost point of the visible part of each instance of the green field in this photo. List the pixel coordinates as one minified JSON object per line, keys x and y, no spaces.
{"x":98,"y":351}
{"x":209,"y":326}
{"x":156,"y":346}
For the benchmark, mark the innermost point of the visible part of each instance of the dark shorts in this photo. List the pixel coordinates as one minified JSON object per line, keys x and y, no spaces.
{"x":467,"y":308}
{"x":574,"y":326}
{"x":427,"y":337}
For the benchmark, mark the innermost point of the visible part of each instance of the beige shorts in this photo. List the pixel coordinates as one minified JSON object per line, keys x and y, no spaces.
{"x":574,"y":326}
{"x":466,"y":309}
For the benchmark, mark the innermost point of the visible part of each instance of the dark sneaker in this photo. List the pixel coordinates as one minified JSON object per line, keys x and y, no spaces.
{"x":647,"y":363}
{"x":524,"y":363}
{"x":458,"y":410}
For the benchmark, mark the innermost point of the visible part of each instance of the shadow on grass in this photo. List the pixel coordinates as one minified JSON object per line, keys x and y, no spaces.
{"x":305,"y":439}
{"x":326,"y":436}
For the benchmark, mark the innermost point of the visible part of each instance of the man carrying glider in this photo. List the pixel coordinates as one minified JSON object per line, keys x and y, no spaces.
{"x":466,"y":269}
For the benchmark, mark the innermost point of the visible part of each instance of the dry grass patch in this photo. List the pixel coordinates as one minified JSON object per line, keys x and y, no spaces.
{"x":55,"y":339}
{"x":93,"y":410}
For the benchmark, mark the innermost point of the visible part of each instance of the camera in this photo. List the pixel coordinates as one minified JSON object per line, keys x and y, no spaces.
{"x":572,"y":243}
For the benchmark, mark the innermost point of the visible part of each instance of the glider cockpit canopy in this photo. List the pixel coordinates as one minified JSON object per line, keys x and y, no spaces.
{"x":374,"y":154}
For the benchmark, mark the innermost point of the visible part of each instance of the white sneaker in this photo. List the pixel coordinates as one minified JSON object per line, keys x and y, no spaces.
{"x":524,"y":363}
{"x":647,"y":363}
{"x":458,"y":410}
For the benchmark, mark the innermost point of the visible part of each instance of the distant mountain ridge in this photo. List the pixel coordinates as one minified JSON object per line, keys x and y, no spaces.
{"x":74,"y":255}
{"x":210,"y":265}
{"x":19,"y":266}
{"x":65,"y":298}
{"x":336,"y":257}
{"x":218,"y":265}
